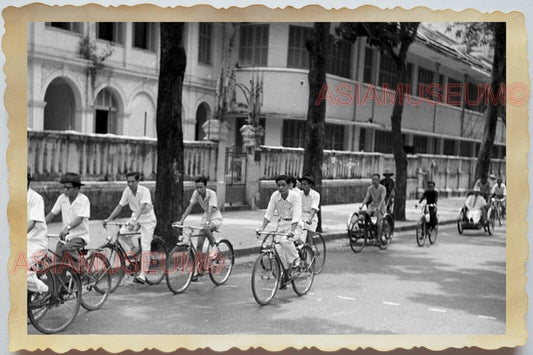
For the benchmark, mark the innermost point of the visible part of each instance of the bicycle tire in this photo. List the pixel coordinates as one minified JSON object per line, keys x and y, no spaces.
{"x":179,"y":268}
{"x":266,"y":277}
{"x":62,"y":300}
{"x":357,"y":239}
{"x":305,"y":273}
{"x":221,"y":266}
{"x":117,"y":265}
{"x":433,"y":235}
{"x":420,"y":233}
{"x":387,"y":231}
{"x":158,"y":256}
{"x":319,"y":251}
{"x":95,"y":282}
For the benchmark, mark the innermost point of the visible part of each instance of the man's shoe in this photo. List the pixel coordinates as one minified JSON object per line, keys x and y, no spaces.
{"x":140,"y":280}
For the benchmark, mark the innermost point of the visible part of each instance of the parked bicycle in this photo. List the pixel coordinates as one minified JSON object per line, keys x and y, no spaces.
{"x":362,"y":230}
{"x":122,"y":262}
{"x":183,"y":259}
{"x":269,"y":273}
{"x":423,"y":228}
{"x":53,"y":311}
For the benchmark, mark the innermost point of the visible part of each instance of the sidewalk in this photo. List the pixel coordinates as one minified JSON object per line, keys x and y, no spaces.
{"x":239,"y":226}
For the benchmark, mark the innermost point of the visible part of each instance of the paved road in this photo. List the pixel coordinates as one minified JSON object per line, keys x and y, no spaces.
{"x":456,"y":286}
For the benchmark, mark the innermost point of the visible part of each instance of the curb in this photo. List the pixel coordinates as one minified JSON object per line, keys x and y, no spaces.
{"x":335,"y":236}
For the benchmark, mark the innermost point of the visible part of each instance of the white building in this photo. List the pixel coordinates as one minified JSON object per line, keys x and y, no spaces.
{"x":122,"y":97}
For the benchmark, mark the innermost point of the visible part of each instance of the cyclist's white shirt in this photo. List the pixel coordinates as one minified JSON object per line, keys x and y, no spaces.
{"x":210,"y":200}
{"x":499,"y":191}
{"x":310,"y":202}
{"x":135,"y":202}
{"x":289,"y":209}
{"x":81,"y":207}
{"x":38,"y":236}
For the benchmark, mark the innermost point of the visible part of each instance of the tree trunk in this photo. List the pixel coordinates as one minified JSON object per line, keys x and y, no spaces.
{"x":491,"y":114}
{"x":169,"y":181}
{"x":316,"y":113}
{"x":400,"y":158}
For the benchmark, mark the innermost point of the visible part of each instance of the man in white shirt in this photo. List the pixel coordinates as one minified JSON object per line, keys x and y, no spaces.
{"x":288,"y":203}
{"x":211,"y":219}
{"x":143,"y":217}
{"x":499,"y":191}
{"x":75,"y":210}
{"x":37,"y":237}
{"x":310,"y":203}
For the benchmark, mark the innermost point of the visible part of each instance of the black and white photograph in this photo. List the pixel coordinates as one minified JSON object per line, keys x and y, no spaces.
{"x":268,"y":178}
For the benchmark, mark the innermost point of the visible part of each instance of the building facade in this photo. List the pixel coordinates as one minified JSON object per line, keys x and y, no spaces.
{"x":102,"y":78}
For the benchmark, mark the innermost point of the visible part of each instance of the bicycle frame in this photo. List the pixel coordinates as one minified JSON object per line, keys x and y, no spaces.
{"x":186,"y":239}
{"x":130,"y":257}
{"x":272,"y":249}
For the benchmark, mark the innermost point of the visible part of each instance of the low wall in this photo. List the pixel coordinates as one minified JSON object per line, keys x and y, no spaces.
{"x":104,"y":196}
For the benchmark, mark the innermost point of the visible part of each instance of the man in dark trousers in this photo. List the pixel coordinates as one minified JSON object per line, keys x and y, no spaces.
{"x":431,"y":196}
{"x":390,"y":187}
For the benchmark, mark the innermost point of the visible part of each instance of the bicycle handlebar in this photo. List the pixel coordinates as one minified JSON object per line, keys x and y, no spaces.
{"x":179,"y":225}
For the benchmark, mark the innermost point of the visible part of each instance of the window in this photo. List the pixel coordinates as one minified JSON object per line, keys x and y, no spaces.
{"x":144,"y":36}
{"x":465,"y":149}
{"x":253,"y":45}
{"x":298,"y":56}
{"x":448,"y":147}
{"x":334,"y":138}
{"x":362,"y":139}
{"x":367,"y":77}
{"x":425,"y":77}
{"x":293,"y":133}
{"x":67,"y":26}
{"x":454,"y":93}
{"x":474,"y":97}
{"x":110,"y":31}
{"x":204,"y":43}
{"x":387,"y":71}
{"x":383,"y":142}
{"x":339,"y":58}
{"x":420,"y":144}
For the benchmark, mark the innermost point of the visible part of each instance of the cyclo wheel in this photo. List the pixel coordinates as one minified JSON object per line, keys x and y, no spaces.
{"x":357,"y":238}
{"x":117,"y":265}
{"x":302,"y":277}
{"x":62,"y":301}
{"x":420,"y":233}
{"x":318,"y":245}
{"x":158,"y":257}
{"x":179,"y":268}
{"x":95,"y":282}
{"x":387,"y":230}
{"x":266,"y":276}
{"x":221,"y":265}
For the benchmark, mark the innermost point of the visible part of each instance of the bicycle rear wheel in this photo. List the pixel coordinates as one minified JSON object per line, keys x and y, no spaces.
{"x":179,"y":268}
{"x":117,"y":265}
{"x":62,"y":301}
{"x":95,"y":282}
{"x":221,"y":263}
{"x":319,"y":251}
{"x":266,"y":276}
{"x":303,"y":275}
{"x":158,"y":257}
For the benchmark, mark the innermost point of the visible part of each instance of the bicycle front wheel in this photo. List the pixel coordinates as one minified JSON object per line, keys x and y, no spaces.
{"x":221,"y":259}
{"x":158,"y":257}
{"x":95,"y":282}
{"x":179,"y":268}
{"x":117,"y":265}
{"x":319,"y":251}
{"x":303,"y":275}
{"x":266,"y":276}
{"x":61,"y":301}
{"x":387,"y":230}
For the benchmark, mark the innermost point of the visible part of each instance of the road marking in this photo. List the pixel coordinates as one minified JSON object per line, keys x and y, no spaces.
{"x":437,"y":310}
{"x":311,"y":293}
{"x":487,"y":317}
{"x":346,"y":298}
{"x":319,"y":299}
{"x":391,"y":303}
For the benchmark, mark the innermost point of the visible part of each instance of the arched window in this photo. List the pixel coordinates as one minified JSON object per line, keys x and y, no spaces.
{"x":105,"y":112}
{"x":60,"y":109}
{"x":201,"y":117}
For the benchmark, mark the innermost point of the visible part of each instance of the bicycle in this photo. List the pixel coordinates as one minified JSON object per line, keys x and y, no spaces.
{"x":497,"y":210}
{"x":93,"y":270}
{"x":183,"y":259}
{"x":363,"y":230}
{"x":118,"y":257}
{"x":423,"y":230}
{"x":269,"y":272}
{"x":318,"y":245}
{"x":53,"y":311}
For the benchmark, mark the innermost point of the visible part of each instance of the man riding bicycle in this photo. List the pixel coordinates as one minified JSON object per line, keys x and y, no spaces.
{"x":310,"y":203}
{"x":389,"y":187}
{"x":142,"y":218}
{"x":288,"y":203}
{"x":211,"y":219}
{"x":431,"y":196}
{"x":375,"y":200}
{"x":499,"y":191}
